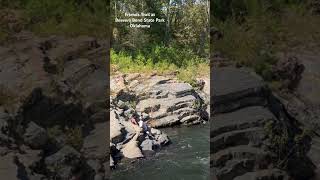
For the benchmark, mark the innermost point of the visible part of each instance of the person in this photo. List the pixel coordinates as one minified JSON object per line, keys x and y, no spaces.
{"x":144,"y":126}
{"x":133,"y":120}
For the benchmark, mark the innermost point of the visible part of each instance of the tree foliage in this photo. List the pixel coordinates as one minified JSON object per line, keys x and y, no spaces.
{"x":185,"y":29}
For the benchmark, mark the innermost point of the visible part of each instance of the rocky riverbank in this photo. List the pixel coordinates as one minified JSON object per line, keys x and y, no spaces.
{"x":53,"y":116}
{"x":164,"y":101}
{"x":252,"y":134}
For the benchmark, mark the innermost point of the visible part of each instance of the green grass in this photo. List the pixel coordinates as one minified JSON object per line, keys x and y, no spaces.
{"x":187,"y":69}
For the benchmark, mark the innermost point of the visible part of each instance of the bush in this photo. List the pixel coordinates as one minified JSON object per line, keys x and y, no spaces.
{"x":74,"y":137}
{"x":255,"y":41}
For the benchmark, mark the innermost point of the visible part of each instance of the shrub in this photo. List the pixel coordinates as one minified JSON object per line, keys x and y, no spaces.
{"x":187,"y":70}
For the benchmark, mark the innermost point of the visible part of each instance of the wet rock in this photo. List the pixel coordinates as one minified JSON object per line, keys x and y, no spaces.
{"x":147,"y":147}
{"x":163,"y":139}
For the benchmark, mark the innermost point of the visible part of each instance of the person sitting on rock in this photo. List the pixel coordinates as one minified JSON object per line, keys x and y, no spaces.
{"x":144,"y":126}
{"x":133,"y":120}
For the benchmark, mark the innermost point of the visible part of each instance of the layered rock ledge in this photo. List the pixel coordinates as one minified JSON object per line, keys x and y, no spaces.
{"x":53,"y":117}
{"x":252,"y":135}
{"x":163,"y":101}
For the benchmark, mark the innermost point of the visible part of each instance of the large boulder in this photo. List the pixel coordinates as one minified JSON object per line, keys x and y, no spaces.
{"x":234,"y":88}
{"x":67,"y":163}
{"x":147,"y":147}
{"x":170,"y":103}
{"x":131,"y":150}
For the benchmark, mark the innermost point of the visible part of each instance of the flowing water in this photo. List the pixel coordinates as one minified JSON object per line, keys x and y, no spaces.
{"x":187,"y":158}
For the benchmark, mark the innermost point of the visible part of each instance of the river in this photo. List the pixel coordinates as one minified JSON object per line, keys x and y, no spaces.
{"x":186,"y":158}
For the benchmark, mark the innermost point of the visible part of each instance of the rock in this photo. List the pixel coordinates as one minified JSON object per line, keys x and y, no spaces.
{"x":168,"y":111}
{"x":163,"y":139}
{"x":117,"y":84}
{"x":272,"y":174}
{"x":289,"y":71}
{"x":131,"y":150}
{"x":100,"y":116}
{"x":48,"y":82}
{"x":35,"y":136}
{"x":236,"y":88}
{"x":314,"y":6}
{"x":95,"y":144}
{"x":106,"y":170}
{"x":162,"y":102}
{"x":115,"y":129}
{"x":244,"y":117}
{"x":111,"y":161}
{"x":98,"y":177}
{"x":68,"y":163}
{"x":30,"y":157}
{"x":64,"y":155}
{"x":95,"y":165}
{"x":7,"y":167}
{"x":4,"y":117}
{"x":147,"y":147}
{"x":129,"y":112}
{"x":67,"y":49}
{"x":5,"y":140}
{"x":155,"y":131}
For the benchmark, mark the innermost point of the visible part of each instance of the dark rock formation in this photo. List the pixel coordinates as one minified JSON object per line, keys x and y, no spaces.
{"x":52,"y":101}
{"x":304,"y":103}
{"x":252,"y":135}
